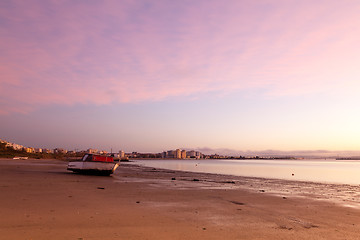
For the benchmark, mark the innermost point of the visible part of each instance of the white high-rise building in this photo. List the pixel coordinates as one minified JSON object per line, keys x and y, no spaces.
{"x":183,"y":154}
{"x":178,"y":153}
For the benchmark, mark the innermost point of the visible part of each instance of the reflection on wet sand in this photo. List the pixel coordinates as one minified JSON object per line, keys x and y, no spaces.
{"x":319,"y":170}
{"x":343,"y":194}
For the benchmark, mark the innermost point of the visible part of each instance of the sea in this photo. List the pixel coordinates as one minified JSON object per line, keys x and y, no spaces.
{"x":311,"y":170}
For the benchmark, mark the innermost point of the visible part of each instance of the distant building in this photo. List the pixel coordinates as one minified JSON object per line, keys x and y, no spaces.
{"x":29,"y":149}
{"x":183,"y":154}
{"x":194,"y":154}
{"x":45,"y":150}
{"x":191,"y":154}
{"x":60,"y":150}
{"x":14,"y":146}
{"x":121,"y":154}
{"x":178,"y":153}
{"x":170,"y":154}
{"x":90,"y":151}
{"x":38,"y":150}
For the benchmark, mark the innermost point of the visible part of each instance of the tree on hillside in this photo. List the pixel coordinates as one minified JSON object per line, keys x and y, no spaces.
{"x":2,"y":146}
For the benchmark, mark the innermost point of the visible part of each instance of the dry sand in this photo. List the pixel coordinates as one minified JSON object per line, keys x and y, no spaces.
{"x":41,"y":200}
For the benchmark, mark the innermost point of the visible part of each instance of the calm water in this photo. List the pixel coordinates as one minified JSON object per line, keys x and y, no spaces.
{"x":328,"y":171}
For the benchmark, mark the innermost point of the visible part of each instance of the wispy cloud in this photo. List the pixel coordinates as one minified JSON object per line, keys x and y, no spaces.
{"x":66,"y":52}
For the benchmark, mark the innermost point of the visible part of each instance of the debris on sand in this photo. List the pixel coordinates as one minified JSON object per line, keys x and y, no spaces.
{"x":237,"y":203}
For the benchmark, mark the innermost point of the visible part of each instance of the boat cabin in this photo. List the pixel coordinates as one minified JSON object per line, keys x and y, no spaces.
{"x":97,"y":158}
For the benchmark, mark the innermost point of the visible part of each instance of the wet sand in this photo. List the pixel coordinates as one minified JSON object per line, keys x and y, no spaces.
{"x":41,"y":200}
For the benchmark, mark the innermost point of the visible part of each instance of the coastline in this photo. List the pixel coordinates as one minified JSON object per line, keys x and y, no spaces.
{"x":41,"y":200}
{"x":340,"y":193}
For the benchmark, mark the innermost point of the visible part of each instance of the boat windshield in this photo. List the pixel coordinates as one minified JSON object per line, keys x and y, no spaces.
{"x":86,"y":157}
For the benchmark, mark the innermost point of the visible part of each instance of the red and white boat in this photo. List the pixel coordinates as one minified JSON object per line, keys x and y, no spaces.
{"x":94,"y":164}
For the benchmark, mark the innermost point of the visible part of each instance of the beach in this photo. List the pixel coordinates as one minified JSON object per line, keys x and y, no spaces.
{"x":40,"y":199}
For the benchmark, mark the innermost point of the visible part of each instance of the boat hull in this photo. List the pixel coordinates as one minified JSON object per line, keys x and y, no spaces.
{"x":95,"y":168}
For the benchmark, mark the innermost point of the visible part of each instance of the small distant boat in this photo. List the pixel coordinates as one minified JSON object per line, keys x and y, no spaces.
{"x":93,"y":164}
{"x":20,"y":158}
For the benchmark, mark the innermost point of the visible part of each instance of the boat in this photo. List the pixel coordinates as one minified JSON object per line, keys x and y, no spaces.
{"x":20,"y":158}
{"x":93,"y":164}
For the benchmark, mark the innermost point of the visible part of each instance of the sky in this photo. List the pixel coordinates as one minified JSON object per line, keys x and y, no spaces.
{"x":149,"y":76}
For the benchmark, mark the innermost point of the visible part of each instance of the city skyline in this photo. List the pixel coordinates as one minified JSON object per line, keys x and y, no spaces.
{"x":276,"y":76}
{"x":181,"y":153}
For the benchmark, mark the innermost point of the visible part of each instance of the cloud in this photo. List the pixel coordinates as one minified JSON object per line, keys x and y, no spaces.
{"x":65,"y":52}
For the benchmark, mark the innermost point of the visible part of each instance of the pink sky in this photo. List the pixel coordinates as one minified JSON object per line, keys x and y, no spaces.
{"x":89,"y":52}
{"x":286,"y":72}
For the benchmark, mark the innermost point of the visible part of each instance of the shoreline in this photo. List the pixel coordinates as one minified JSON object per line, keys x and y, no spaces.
{"x":309,"y":170}
{"x":42,"y":200}
{"x":346,"y":195}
